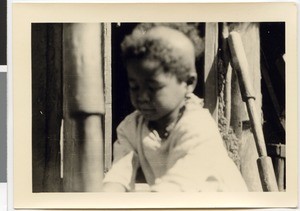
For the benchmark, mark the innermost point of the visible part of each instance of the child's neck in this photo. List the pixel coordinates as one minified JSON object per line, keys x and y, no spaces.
{"x":164,"y":125}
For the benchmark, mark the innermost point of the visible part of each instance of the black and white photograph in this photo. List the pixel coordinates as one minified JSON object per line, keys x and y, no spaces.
{"x":158,"y":107}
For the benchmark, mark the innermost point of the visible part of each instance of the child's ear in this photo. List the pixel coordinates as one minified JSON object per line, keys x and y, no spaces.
{"x":191,"y":82}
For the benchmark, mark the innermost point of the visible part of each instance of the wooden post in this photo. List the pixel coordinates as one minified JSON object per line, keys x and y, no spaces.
{"x":106,"y":43}
{"x":39,"y":68}
{"x":52,"y":180}
{"x":84,"y":106}
{"x":228,"y":76}
{"x":228,"y":82}
{"x":278,"y":153}
{"x":211,"y":69}
{"x":46,"y":106}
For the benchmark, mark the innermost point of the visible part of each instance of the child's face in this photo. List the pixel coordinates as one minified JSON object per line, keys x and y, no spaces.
{"x":154,"y":93}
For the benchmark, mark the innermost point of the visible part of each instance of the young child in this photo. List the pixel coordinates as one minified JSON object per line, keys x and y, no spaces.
{"x":170,"y":136}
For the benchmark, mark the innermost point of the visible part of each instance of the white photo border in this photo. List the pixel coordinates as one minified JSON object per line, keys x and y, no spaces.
{"x":25,"y":14}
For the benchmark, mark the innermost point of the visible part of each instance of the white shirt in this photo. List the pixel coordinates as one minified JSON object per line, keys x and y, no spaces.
{"x":192,"y":158}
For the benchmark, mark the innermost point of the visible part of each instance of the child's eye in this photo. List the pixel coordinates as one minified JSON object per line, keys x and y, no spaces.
{"x":133,"y":87}
{"x":155,"y":88}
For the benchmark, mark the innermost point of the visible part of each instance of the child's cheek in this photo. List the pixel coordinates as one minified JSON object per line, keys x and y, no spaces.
{"x":133,"y":99}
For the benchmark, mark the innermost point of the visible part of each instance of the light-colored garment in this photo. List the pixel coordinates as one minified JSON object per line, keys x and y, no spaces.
{"x":192,"y":158}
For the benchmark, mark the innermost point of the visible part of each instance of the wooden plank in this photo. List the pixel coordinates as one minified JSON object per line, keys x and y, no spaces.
{"x":39,"y":66}
{"x":228,"y":82}
{"x":53,"y":108}
{"x":278,"y":153}
{"x":267,"y":79}
{"x":251,"y":41}
{"x":225,"y":58}
{"x":211,"y":69}
{"x":46,"y":106}
{"x":277,"y":150}
{"x":106,"y":52}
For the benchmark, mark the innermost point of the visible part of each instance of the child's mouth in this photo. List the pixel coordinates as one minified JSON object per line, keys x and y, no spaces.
{"x":147,"y":111}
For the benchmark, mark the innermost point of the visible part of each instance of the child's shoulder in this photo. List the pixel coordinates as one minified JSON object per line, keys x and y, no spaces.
{"x":197,"y":119}
{"x":194,"y":110}
{"x":132,"y":117}
{"x":131,"y":120}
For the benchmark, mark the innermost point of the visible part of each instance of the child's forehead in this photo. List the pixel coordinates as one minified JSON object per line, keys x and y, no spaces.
{"x":155,"y":78}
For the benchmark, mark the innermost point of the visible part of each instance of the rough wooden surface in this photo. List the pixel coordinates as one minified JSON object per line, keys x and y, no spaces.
{"x":107,"y":67}
{"x":46,"y":106}
{"x":249,"y":156}
{"x":39,"y":66}
{"x":211,"y":68}
{"x":239,"y":118}
{"x":52,"y":179}
{"x":267,"y":175}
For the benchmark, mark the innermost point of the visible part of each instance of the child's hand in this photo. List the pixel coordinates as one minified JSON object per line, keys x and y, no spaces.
{"x":113,"y":187}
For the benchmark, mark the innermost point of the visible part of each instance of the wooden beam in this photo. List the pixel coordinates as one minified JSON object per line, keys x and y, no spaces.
{"x":52,"y":180}
{"x":39,"y":66}
{"x":271,"y":91}
{"x":106,"y":52}
{"x":211,"y":69}
{"x":46,"y":107}
{"x":84,"y":107}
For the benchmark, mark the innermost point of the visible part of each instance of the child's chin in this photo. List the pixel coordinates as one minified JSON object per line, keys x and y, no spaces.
{"x":150,"y":117}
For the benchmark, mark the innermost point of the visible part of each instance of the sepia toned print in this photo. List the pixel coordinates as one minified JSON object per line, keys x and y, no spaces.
{"x":193,"y":109}
{"x":73,"y":137}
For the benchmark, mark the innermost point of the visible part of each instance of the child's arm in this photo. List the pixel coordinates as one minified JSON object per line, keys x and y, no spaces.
{"x":121,"y":176}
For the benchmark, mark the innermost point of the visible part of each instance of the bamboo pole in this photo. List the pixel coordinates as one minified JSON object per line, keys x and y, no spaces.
{"x":240,"y":64}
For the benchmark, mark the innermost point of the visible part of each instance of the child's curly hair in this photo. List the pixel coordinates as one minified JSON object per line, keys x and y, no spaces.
{"x":135,"y":46}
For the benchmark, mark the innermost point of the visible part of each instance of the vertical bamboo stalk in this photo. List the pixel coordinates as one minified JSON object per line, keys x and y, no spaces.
{"x":84,"y":106}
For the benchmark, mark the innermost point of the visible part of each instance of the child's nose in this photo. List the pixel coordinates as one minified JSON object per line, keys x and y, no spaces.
{"x":143,"y":95}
